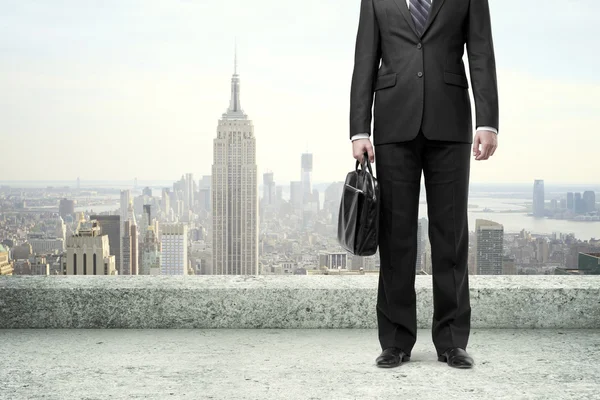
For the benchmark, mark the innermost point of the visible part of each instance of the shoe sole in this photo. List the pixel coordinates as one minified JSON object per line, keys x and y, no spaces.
{"x":405,"y":358}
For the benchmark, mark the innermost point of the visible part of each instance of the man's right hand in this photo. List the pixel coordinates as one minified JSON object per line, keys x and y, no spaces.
{"x":359,"y":146}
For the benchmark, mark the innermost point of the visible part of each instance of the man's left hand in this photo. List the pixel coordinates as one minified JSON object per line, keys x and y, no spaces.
{"x":488,"y":141}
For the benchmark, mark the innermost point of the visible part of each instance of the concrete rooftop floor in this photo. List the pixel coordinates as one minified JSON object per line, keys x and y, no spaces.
{"x":290,"y":364}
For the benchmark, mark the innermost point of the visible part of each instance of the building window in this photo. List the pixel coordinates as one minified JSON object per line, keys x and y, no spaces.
{"x":84,"y":264}
{"x":94,"y":263}
{"x":75,"y":264}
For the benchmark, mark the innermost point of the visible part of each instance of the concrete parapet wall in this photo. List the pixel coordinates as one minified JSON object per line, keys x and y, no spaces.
{"x":314,"y":301}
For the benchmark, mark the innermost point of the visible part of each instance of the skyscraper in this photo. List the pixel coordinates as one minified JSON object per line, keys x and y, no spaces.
{"x":578,"y":204}
{"x":111,"y":225}
{"x":589,"y":200}
{"x":165,"y":202}
{"x":174,"y":255}
{"x":150,"y":250}
{"x":88,"y":252}
{"x":234,"y":191}
{"x":188,"y":192}
{"x":125,"y":200}
{"x":306,"y":175}
{"x":129,"y":245}
{"x":420,"y":244}
{"x":66,"y":208}
{"x":126,"y":249}
{"x":204,"y":192}
{"x":538,"y":198}
{"x":570,"y":201}
{"x":268,"y":189}
{"x":488,"y":247}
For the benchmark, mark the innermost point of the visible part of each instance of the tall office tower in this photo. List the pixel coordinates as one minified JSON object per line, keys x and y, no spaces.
{"x":165,"y":201}
{"x":420,"y":243}
{"x":179,"y":186}
{"x":134,"y":242}
{"x":570,"y":201}
{"x":542,"y":250}
{"x":578,"y":203}
{"x":426,"y":264}
{"x":125,"y":202}
{"x":589,"y":200}
{"x":88,"y":252}
{"x":126,"y":247}
{"x":205,"y":181}
{"x":188,"y":199}
{"x":147,"y":191}
{"x":488,"y":247}
{"x":129,"y":245}
{"x":306,"y":176}
{"x":146,"y":216}
{"x":268,"y":189}
{"x":176,"y":201}
{"x":150,"y":251}
{"x":315,"y":200}
{"x":204,"y":188}
{"x":174,"y":255}
{"x":424,"y":230}
{"x":235,"y":191}
{"x":66,"y":208}
{"x":296,"y":194}
{"x":538,"y":198}
{"x":138,"y":203}
{"x":186,"y":193}
{"x":60,"y":229}
{"x":111,"y":225}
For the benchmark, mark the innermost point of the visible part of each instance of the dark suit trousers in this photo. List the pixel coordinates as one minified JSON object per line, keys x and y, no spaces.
{"x":445,"y":166}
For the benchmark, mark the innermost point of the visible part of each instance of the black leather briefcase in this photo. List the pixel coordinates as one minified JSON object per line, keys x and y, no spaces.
{"x":358,"y":220}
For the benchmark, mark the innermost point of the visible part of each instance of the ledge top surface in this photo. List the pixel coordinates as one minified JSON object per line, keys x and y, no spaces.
{"x":278,"y":282}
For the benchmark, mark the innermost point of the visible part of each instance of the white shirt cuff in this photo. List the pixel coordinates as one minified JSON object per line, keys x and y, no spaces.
{"x":360,"y":136}
{"x":488,"y":128}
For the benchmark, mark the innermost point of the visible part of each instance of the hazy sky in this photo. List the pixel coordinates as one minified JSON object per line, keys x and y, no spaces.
{"x":120,"y":89}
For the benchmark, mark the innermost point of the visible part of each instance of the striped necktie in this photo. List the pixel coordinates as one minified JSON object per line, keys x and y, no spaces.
{"x":419,"y":10}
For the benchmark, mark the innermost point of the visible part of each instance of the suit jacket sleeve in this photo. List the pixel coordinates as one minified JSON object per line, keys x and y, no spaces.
{"x":482,"y":63}
{"x":367,"y":55}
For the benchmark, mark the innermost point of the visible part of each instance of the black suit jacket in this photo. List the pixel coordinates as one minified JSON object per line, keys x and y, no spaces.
{"x":421,"y":81}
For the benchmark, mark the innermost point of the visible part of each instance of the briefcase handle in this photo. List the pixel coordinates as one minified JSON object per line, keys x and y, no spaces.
{"x":365,"y":161}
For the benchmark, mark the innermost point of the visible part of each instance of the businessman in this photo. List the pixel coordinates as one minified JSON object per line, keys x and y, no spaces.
{"x":408,"y":58}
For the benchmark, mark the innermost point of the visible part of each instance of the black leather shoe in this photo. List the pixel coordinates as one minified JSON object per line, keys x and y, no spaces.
{"x":456,"y":357}
{"x":391,"y":357}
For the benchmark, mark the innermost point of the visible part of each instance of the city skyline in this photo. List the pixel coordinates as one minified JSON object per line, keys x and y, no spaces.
{"x":156,"y":89}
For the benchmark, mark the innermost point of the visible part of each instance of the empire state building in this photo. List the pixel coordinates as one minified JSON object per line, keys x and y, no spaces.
{"x":235,"y":191}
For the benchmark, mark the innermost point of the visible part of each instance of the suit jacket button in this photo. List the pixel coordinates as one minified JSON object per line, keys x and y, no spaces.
{"x":419,"y":74}
{"x":419,"y":46}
